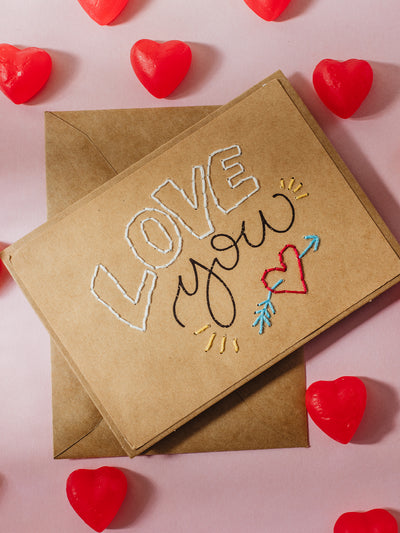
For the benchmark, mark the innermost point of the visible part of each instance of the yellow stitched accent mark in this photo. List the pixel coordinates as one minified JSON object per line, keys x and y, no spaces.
{"x":223,"y":343}
{"x":282,"y":183}
{"x":201,"y":329}
{"x":301,"y":196}
{"x":210,"y":342}
{"x":298,"y":187}
{"x":290,"y":184}
{"x":235,"y":345}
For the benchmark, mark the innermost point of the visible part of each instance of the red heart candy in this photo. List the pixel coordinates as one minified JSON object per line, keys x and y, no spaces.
{"x":103,"y":11}
{"x":96,"y":495}
{"x":23,"y":72}
{"x":343,"y":86}
{"x":268,"y":9}
{"x":375,"y":521}
{"x":283,"y":268}
{"x":337,"y":407}
{"x":160,"y":67}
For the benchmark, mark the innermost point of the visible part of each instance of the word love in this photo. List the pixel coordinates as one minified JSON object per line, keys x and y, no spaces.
{"x":154,"y":235}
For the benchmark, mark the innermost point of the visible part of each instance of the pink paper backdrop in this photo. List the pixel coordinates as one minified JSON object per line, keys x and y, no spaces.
{"x":283,"y":491}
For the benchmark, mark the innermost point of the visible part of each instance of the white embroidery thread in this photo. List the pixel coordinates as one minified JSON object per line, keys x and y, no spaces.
{"x":232,"y":185}
{"x":162,"y":229}
{"x":193,"y":203}
{"x":132,"y":247}
{"x":227,"y":165}
{"x":135,"y":301}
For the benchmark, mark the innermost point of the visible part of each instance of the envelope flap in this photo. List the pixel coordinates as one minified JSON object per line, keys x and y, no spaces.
{"x":63,"y":140}
{"x":126,"y":135}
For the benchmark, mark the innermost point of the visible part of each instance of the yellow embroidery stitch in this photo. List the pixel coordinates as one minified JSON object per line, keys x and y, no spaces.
{"x":210,"y":342}
{"x":223,"y":342}
{"x":201,"y":329}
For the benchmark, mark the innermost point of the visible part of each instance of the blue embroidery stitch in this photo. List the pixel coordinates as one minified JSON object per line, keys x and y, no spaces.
{"x":264,"y":314}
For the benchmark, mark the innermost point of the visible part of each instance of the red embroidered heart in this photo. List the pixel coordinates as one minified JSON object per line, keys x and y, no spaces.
{"x":268,"y":9}
{"x":343,"y":86}
{"x":283,"y":268}
{"x":160,"y":67}
{"x":23,"y":72}
{"x":337,"y":407}
{"x":375,"y":521}
{"x":96,"y":495}
{"x":103,"y":11}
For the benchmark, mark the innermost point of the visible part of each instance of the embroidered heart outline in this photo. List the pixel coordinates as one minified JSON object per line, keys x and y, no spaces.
{"x":283,"y":268}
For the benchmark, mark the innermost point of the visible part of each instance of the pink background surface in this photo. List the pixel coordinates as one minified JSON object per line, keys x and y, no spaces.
{"x":283,"y":491}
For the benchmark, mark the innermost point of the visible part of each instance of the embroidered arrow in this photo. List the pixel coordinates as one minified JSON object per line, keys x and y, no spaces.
{"x":267,"y":309}
{"x":314,"y":242}
{"x":264,"y":314}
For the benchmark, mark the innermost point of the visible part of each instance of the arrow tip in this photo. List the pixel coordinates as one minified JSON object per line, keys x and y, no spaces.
{"x":314,"y":241}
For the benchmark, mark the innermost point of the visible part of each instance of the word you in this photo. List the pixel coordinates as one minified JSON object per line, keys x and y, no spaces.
{"x":221,"y":243}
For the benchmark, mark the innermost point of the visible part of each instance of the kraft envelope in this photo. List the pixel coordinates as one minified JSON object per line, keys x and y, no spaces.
{"x":83,"y":150}
{"x":205,"y":263}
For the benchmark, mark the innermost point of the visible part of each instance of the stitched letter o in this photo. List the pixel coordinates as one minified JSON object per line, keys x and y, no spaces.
{"x":154,"y":238}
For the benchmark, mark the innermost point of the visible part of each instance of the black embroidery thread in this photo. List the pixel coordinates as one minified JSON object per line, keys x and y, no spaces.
{"x":233,"y":244}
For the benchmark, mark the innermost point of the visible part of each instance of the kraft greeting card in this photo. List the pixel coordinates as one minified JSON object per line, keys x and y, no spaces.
{"x":208,"y":261}
{"x":84,"y":149}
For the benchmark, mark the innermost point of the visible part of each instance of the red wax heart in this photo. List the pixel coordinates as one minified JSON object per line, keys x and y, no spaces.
{"x":342,"y":86}
{"x":283,"y":268}
{"x":23,"y":72}
{"x":337,"y":407}
{"x":96,"y":495}
{"x":103,"y":11}
{"x":268,"y":9}
{"x":375,"y":521}
{"x":160,"y":67}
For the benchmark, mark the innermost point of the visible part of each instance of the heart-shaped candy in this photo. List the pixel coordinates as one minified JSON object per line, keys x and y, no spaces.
{"x":337,"y":407}
{"x":160,"y":67}
{"x":103,"y":11}
{"x":268,"y":9}
{"x":374,"y":521}
{"x":23,"y":72}
{"x":283,"y":268}
{"x":343,"y":86}
{"x":96,"y":495}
